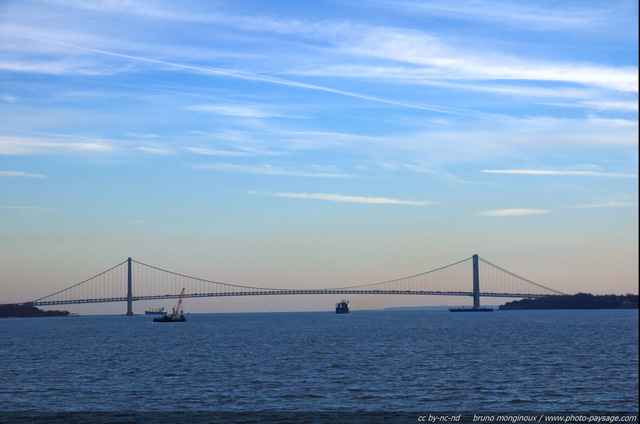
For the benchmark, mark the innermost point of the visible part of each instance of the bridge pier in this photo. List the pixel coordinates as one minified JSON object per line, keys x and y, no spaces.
{"x":129,"y":289}
{"x":476,"y":283}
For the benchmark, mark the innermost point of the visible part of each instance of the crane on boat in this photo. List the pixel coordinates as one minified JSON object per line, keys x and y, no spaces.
{"x":176,"y":315}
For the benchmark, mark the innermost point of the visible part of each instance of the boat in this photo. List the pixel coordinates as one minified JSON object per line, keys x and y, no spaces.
{"x":342,"y":307}
{"x":155,"y":311}
{"x":176,"y":315}
{"x":170,"y":318}
{"x":471,"y":309}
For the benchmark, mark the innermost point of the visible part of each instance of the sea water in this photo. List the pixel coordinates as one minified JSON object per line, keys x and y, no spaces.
{"x":372,"y":364}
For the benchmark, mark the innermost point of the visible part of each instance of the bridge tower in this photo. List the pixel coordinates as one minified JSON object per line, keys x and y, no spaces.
{"x":129,"y":289}
{"x":476,"y":283}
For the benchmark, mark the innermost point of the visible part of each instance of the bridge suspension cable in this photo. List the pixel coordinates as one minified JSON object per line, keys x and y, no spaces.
{"x":502,"y":281}
{"x":126,"y":282}
{"x":450,"y":278}
{"x":107,"y":286}
{"x":154,"y":282}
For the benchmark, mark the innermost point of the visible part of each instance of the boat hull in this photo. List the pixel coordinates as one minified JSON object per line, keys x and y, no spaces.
{"x":342,"y":307}
{"x":180,"y":318}
{"x":471,"y":309}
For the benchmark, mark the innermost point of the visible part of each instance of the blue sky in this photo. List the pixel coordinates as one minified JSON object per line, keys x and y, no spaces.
{"x":318,"y":144}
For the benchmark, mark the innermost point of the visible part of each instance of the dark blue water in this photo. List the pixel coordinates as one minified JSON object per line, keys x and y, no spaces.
{"x":505,"y":361}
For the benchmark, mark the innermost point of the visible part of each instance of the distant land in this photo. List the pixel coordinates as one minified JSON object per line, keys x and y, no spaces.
{"x":576,"y":301}
{"x":26,"y":310}
{"x":424,"y":308}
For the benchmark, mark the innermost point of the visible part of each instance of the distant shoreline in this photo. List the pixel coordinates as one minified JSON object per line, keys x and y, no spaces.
{"x":576,"y":301}
{"x":568,"y":302}
{"x":26,"y":310}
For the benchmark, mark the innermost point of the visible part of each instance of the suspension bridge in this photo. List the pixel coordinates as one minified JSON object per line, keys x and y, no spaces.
{"x":132,"y":281}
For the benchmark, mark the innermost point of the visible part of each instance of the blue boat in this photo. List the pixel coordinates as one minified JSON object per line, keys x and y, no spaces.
{"x":342,"y":307}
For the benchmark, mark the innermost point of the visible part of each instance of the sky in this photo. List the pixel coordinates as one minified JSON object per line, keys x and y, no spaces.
{"x":318,"y":144}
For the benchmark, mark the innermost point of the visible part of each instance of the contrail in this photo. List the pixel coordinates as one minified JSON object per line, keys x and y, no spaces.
{"x":261,"y":78}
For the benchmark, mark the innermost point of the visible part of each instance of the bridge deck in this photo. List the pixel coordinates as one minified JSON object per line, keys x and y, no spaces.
{"x":285,"y":292}
{"x":128,"y":283}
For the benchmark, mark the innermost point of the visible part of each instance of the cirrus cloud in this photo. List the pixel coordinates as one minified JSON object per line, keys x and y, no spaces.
{"x":20,"y":174}
{"x":549,"y":172}
{"x":350,"y":199}
{"x":513,"y":212}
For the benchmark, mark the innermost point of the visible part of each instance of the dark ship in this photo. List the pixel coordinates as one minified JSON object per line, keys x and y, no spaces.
{"x":471,"y":309}
{"x":177,"y":315}
{"x":342,"y":307}
{"x":155,"y":311}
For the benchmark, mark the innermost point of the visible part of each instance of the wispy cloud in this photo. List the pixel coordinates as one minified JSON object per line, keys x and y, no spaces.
{"x":429,"y":55}
{"x":214,"y":152}
{"x":230,"y":73}
{"x":513,"y":212}
{"x":350,"y":199}
{"x":442,"y":61}
{"x":561,"y":173}
{"x":232,"y":153}
{"x":7,"y":98}
{"x":611,"y":204}
{"x":238,"y":111}
{"x":533,"y":16}
{"x":54,"y":67}
{"x":30,"y":145}
{"x":268,"y":170}
{"x":26,"y":209}
{"x":425,"y":76}
{"x":20,"y":174}
{"x":156,"y":150}
{"x":628,"y":106}
{"x":141,"y":135}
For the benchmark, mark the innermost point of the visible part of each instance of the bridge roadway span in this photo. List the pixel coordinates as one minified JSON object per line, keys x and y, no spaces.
{"x":283,"y":292}
{"x":109,"y":285}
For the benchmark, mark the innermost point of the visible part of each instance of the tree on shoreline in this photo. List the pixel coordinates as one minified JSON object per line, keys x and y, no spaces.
{"x":576,"y":301}
{"x":27,"y":310}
